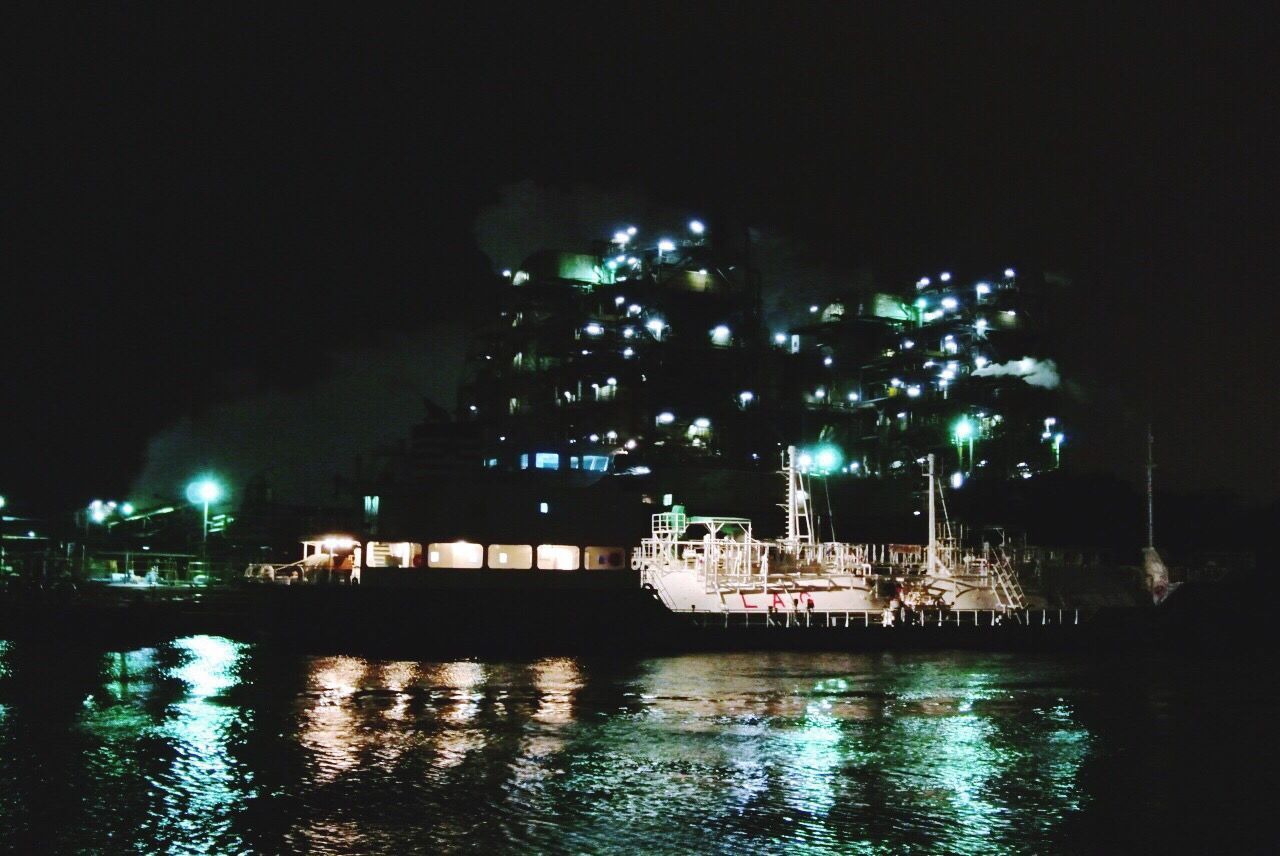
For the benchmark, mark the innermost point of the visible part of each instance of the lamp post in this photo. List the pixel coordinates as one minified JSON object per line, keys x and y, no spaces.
{"x":202,"y":492}
{"x":964,"y":431}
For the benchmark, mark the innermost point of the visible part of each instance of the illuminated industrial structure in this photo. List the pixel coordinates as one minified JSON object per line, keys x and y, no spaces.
{"x":639,"y":355}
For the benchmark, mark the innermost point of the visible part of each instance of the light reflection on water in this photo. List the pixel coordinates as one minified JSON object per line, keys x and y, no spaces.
{"x":204,"y":745}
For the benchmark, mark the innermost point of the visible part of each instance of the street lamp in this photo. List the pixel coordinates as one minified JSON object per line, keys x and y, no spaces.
{"x":202,"y":492}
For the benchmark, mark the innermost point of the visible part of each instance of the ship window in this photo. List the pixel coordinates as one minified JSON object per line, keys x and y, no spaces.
{"x":573,"y":462}
{"x":371,"y":504}
{"x":595,"y":463}
{"x":557,"y":557}
{"x":516,"y":557}
{"x":491,"y":462}
{"x":457,"y":554}
{"x":598,"y":558}
{"x":388,"y":554}
{"x":524,"y":461}
{"x":546,"y":461}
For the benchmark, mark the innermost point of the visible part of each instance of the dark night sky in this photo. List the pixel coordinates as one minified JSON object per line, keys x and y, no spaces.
{"x":206,"y":207}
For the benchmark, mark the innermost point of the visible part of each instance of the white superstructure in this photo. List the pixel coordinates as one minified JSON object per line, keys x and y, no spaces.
{"x":716,"y":565}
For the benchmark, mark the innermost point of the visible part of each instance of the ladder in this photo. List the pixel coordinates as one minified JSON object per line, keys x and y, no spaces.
{"x":1008,"y":587}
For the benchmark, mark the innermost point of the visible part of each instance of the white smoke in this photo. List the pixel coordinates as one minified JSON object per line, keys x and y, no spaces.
{"x":531,"y":216}
{"x":1035,"y":372}
{"x":302,"y":437}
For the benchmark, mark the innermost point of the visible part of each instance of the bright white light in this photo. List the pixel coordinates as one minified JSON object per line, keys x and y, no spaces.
{"x":696,"y":227}
{"x":951,"y":347}
{"x":613,"y":381}
{"x":1008,"y":272}
{"x":826,"y":458}
{"x":805,"y":460}
{"x":702,"y":422}
{"x":630,"y":444}
{"x":946,"y":277}
{"x":980,"y":324}
{"x":633,"y":261}
{"x":1058,"y":438}
{"x":908,"y":344}
{"x":720,"y":335}
{"x":611,"y":435}
{"x":666,"y":245}
{"x":949,"y":303}
{"x":656,"y":326}
{"x":895,"y":382}
{"x":666,"y":417}
{"x":1050,"y":421}
{"x":628,"y":352}
{"x":826,"y":361}
{"x":507,"y":273}
{"x":628,"y":332}
{"x":631,"y":230}
{"x":1009,"y":313}
{"x":980,"y":361}
{"x":813,"y":309}
{"x":982,"y":288}
{"x":621,"y":238}
{"x":472,"y":408}
{"x":633,"y":309}
{"x":947,"y":374}
{"x":619,"y":300}
{"x":922,"y":282}
{"x":594,"y":438}
{"x":594,"y":329}
{"x":780,"y":338}
{"x":957,"y":479}
{"x":913,"y":392}
{"x":543,"y":508}
{"x":819,"y":393}
{"x":127,"y":509}
{"x":746,"y":395}
{"x":98,"y":515}
{"x":620,"y":259}
{"x":853,"y":396}
{"x":932,"y":315}
{"x":854,"y":466}
{"x":611,"y":264}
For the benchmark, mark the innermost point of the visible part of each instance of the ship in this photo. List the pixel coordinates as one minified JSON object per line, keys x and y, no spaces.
{"x":713,"y":571}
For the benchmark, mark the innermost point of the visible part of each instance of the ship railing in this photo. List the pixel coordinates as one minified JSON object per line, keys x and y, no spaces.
{"x":938,"y":619}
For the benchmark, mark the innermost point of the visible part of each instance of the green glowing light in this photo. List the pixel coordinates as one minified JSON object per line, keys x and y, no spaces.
{"x":203,"y":490}
{"x":963,"y":429}
{"x":827,"y":458}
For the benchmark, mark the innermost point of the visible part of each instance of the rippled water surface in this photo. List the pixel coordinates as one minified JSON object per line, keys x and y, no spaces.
{"x":206,"y":745}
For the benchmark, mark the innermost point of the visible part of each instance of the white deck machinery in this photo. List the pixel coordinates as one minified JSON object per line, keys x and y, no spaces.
{"x":714,"y":565}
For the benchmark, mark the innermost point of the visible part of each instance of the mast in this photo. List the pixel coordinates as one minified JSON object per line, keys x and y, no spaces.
{"x":799,"y":528}
{"x":1151,"y":466}
{"x":931,"y":557}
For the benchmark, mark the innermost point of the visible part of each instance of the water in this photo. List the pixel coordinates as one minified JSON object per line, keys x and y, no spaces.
{"x":207,"y":745}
